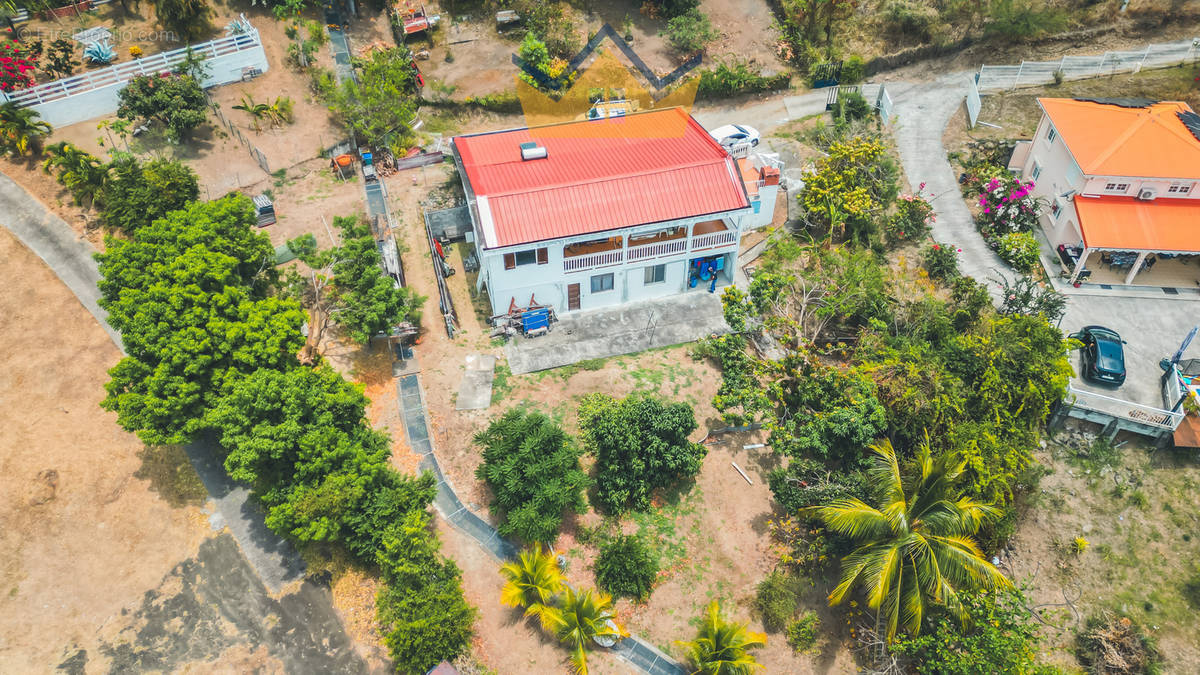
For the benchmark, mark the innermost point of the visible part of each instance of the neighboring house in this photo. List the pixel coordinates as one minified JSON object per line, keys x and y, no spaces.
{"x":594,"y":213}
{"x":1120,"y":177}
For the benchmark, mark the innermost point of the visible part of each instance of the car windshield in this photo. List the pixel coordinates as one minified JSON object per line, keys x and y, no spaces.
{"x":741,"y":129}
{"x":1111,"y":358}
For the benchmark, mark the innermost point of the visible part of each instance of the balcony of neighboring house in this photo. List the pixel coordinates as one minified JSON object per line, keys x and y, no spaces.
{"x":593,"y":254}
{"x":712,"y":234}
{"x":661,"y":243}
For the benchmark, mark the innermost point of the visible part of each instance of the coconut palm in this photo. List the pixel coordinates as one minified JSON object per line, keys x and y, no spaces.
{"x":534,"y":581}
{"x":21,"y":130}
{"x":916,"y":547}
{"x":721,"y":646}
{"x":79,"y":171}
{"x":584,"y":615}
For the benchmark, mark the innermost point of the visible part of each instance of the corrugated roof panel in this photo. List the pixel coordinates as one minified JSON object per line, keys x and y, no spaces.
{"x":599,"y":175}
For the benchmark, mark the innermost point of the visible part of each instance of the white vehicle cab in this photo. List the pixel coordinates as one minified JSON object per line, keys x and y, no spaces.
{"x":735,"y":134}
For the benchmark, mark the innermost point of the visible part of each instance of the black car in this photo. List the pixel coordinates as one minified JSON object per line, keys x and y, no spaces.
{"x":1103,"y":354}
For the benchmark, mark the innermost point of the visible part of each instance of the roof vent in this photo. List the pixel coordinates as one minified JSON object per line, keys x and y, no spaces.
{"x":532,"y":151}
{"x":1147,"y":194}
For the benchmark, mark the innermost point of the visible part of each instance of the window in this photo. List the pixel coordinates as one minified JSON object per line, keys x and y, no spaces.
{"x":1051,"y":136}
{"x":655,"y":274}
{"x":602,"y":282}
{"x":1037,"y":170}
{"x":1116,"y":187}
{"x":1180,"y":189}
{"x":1056,"y":209}
{"x":533,"y":256}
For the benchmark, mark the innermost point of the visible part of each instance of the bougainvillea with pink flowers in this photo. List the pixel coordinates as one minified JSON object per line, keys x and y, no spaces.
{"x":912,"y":218}
{"x":1006,"y":205}
{"x":15,"y":65}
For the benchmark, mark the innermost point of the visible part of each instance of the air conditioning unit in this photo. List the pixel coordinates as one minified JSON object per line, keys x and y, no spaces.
{"x":1147,"y":194}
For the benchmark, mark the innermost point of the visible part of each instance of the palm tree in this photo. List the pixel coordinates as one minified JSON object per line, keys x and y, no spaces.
{"x":720,"y":647}
{"x":584,"y":615}
{"x":79,"y":171}
{"x":21,"y":131}
{"x":257,"y":110}
{"x":533,"y":582}
{"x":916,"y":548}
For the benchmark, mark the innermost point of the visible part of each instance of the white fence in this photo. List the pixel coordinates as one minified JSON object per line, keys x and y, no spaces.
{"x":1031,"y":73}
{"x":94,"y":94}
{"x":1127,"y":411}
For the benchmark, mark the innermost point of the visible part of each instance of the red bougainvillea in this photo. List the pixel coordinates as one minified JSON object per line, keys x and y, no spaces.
{"x":15,"y":64}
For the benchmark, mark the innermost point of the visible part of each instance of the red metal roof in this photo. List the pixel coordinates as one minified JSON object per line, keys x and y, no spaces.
{"x":597,"y":175}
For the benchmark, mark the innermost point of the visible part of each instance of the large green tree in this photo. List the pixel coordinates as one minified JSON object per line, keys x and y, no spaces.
{"x":187,"y":18}
{"x":299,"y":438}
{"x":640,"y":444}
{"x":346,"y":284}
{"x":914,"y":548}
{"x":186,"y":294}
{"x":422,"y":613}
{"x":532,"y":466}
{"x":381,"y":102}
{"x":137,"y":194}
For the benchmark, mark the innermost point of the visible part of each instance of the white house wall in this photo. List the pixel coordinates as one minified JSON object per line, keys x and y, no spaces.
{"x":1059,"y":175}
{"x":547,"y":283}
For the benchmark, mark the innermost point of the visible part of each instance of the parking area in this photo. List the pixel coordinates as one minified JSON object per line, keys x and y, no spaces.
{"x":1153,"y":328}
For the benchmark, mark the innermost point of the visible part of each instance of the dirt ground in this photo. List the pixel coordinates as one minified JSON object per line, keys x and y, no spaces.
{"x":86,"y":528}
{"x":1139,"y":515}
{"x":481,"y":57}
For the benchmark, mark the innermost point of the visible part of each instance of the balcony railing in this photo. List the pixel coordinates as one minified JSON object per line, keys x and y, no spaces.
{"x":592,"y":260}
{"x":657,"y":249}
{"x":713,"y":239}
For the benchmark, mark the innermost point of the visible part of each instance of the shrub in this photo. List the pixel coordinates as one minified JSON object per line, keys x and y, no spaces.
{"x":997,"y":635}
{"x":1112,"y":645}
{"x":15,"y":63}
{"x":641,"y":444}
{"x":776,"y":600}
{"x":802,"y":633}
{"x":807,"y":482}
{"x":381,"y":101}
{"x":668,"y":9}
{"x":627,"y":567}
{"x":1017,"y":20}
{"x":691,"y":31}
{"x":136,"y":195}
{"x":504,"y":102}
{"x":732,"y":79}
{"x":911,"y":219}
{"x":1007,"y":206}
{"x":1030,"y":298}
{"x":850,"y":106}
{"x":175,"y":101}
{"x":1191,"y":588}
{"x":914,"y":19}
{"x":532,"y":466}
{"x":854,"y":70}
{"x":1018,"y":249}
{"x":940,"y":261}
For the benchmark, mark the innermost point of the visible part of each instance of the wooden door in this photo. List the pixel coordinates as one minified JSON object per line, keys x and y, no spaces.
{"x":572,"y":297}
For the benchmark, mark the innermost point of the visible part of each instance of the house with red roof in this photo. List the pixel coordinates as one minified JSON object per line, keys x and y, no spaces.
{"x":1120,"y":177}
{"x":594,"y":213}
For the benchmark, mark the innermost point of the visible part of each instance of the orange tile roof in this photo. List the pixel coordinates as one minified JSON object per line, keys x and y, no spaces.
{"x":1108,"y":140}
{"x":1129,"y":224}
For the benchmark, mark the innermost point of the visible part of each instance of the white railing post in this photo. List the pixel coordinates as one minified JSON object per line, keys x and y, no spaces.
{"x":1017,"y":78}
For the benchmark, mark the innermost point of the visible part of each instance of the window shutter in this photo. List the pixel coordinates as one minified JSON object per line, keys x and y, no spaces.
{"x":543,"y":256}
{"x":510,"y":261}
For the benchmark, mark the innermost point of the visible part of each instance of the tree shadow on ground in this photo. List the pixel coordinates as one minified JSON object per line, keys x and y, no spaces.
{"x":171,"y":475}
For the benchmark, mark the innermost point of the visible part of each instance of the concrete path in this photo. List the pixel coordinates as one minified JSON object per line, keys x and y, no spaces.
{"x":639,"y":653}
{"x":624,"y":329}
{"x":275,"y":561}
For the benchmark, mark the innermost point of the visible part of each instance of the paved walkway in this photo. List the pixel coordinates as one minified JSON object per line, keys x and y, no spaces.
{"x":623,"y":329}
{"x":275,"y":561}
{"x":641,"y":654}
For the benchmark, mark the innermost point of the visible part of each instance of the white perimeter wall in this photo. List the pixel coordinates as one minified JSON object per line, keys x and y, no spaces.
{"x":94,"y":93}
